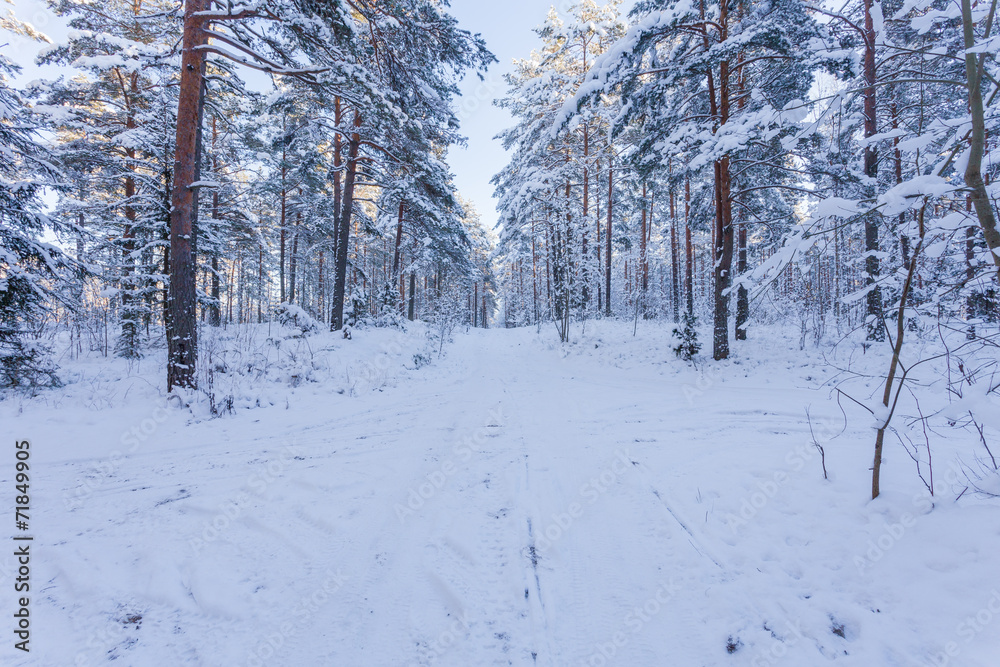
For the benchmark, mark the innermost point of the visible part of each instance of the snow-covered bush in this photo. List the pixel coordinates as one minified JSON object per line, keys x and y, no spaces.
{"x":292,"y":316}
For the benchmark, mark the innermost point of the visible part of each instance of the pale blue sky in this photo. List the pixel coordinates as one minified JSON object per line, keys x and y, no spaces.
{"x":507,"y":28}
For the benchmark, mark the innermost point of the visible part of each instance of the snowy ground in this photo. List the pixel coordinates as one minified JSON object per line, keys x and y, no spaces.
{"x":515,"y":502}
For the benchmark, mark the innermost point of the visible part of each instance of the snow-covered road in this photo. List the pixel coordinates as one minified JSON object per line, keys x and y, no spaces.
{"x":514,"y":503}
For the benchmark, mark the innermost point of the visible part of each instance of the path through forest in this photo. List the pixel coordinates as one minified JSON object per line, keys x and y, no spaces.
{"x":513,"y":503}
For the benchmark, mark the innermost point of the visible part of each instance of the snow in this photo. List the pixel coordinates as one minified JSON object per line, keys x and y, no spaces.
{"x":515,"y":502}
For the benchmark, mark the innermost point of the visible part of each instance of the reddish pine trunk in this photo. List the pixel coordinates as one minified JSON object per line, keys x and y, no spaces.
{"x":723,"y":251}
{"x":182,"y":336}
{"x":688,"y":250}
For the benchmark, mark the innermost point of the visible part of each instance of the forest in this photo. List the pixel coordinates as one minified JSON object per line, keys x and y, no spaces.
{"x":744,"y":260}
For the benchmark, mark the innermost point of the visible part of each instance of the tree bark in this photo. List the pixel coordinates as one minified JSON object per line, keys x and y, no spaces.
{"x":215,"y":308}
{"x":128,"y":346}
{"x":742,"y":297}
{"x":344,"y":231}
{"x":723,"y":259}
{"x":675,"y":285}
{"x":260,"y":284}
{"x":876,"y":332}
{"x":395,"y":253}
{"x":643,"y":275}
{"x":337,"y":198}
{"x":723,"y":254}
{"x":688,"y":250}
{"x":607,"y":247}
{"x":897,"y":349}
{"x":284,"y":217}
{"x":411,"y":312}
{"x":182,"y":338}
{"x":584,"y":260}
{"x":977,"y":142}
{"x":534,"y":281}
{"x":294,"y":262}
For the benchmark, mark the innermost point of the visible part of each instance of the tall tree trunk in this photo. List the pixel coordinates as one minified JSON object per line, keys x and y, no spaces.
{"x":977,"y":143}
{"x":642,"y":274}
{"x":675,"y":285}
{"x":607,"y":246}
{"x":584,"y":260}
{"x":876,"y":331}
{"x":260,"y":284}
{"x":742,"y":296}
{"x":534,"y":282}
{"x":284,"y":216}
{"x":338,"y":117}
{"x":294,"y":262}
{"x":321,"y":287}
{"x":597,"y":240}
{"x":565,"y":250}
{"x":215,"y":308}
{"x":688,"y":250}
{"x":182,"y":337}
{"x":723,"y":260}
{"x":344,"y":232}
{"x":723,"y":254}
{"x":395,"y":253}
{"x":128,"y":346}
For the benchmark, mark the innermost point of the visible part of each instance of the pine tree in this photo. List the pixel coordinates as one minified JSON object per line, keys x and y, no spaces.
{"x":29,"y":268}
{"x":687,"y":347}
